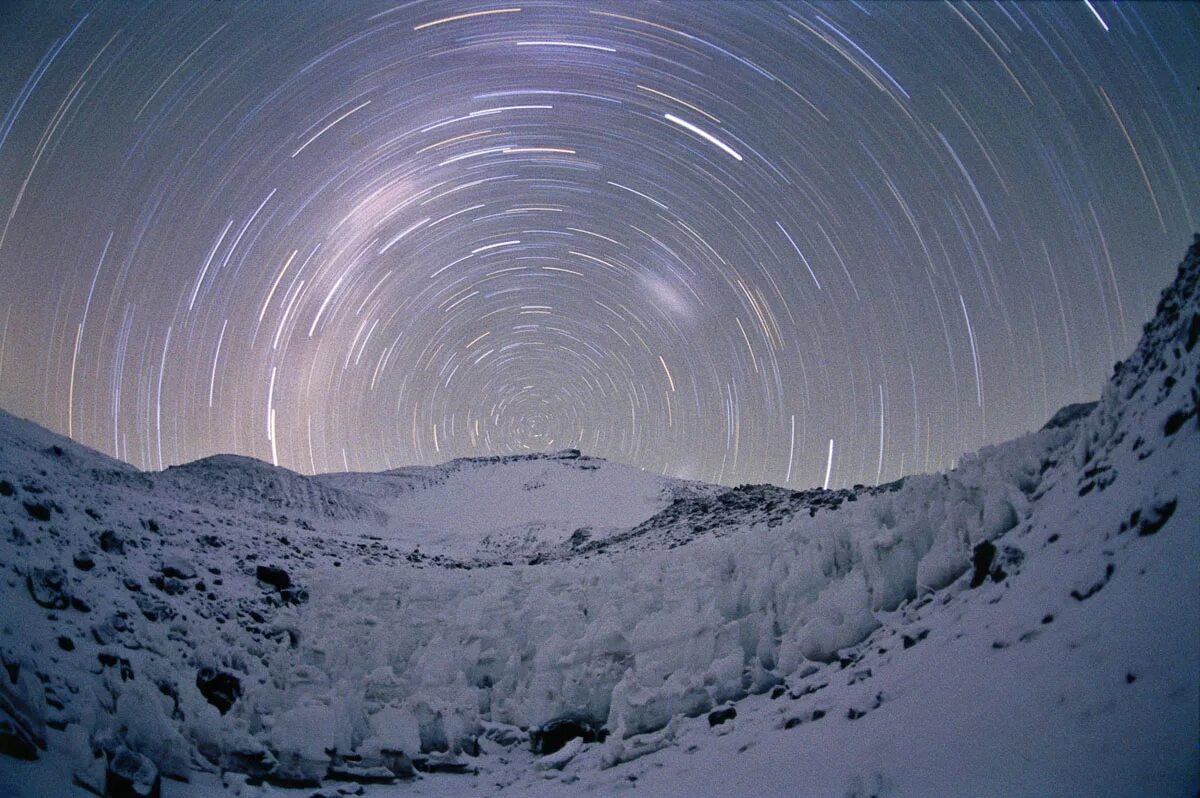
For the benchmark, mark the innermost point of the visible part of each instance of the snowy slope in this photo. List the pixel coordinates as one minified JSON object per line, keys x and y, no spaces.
{"x":1028,"y":623}
{"x":513,"y":506}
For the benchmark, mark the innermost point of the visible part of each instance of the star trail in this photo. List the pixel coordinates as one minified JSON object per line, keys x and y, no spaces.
{"x":804,"y":244}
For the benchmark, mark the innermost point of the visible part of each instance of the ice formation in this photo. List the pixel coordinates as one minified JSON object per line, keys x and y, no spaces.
{"x":232,"y":617}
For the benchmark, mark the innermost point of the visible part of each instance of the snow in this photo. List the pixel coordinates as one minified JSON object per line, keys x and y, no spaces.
{"x":438,"y":617}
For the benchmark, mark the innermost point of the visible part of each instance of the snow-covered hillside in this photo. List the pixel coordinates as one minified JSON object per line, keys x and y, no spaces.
{"x":1028,"y":623}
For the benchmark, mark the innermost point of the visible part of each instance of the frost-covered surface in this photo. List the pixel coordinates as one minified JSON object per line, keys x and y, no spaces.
{"x":1028,"y":623}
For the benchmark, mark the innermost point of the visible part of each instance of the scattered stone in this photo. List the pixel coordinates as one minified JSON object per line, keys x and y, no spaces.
{"x":719,"y":716}
{"x":110,"y":542}
{"x":131,"y":775}
{"x":15,"y":742}
{"x":83,"y":561}
{"x":178,"y":568}
{"x":551,"y":736}
{"x":153,"y":609}
{"x":1158,"y":516}
{"x":293,"y":595}
{"x":219,"y":688}
{"x":48,"y":587}
{"x":981,"y":559}
{"x":398,"y":762}
{"x":22,"y":712}
{"x":66,"y":643}
{"x":170,"y":585}
{"x":37,"y":511}
{"x":1094,"y":588}
{"x":273,"y":576}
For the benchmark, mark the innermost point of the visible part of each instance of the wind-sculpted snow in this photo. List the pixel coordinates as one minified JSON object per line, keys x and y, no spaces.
{"x":235,"y":616}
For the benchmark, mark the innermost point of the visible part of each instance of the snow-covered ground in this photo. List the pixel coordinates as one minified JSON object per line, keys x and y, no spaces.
{"x":1028,"y":623}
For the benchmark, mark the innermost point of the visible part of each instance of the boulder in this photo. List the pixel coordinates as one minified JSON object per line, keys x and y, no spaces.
{"x":131,"y":775}
{"x":719,"y":716}
{"x":274,"y":576}
{"x":177,"y":567}
{"x":48,"y":587}
{"x":219,"y":688}
{"x":551,"y":736}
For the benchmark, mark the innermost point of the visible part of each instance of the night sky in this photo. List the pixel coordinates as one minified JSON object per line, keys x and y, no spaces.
{"x":804,"y":244}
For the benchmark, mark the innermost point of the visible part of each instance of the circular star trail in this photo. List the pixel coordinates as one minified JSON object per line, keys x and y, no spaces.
{"x":805,"y":244}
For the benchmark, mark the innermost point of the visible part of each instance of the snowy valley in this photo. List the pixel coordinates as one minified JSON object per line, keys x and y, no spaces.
{"x":547,"y":624}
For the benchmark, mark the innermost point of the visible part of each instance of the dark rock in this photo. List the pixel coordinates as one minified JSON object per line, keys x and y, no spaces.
{"x":48,"y":587}
{"x":1174,"y":422}
{"x":131,"y":775}
{"x":6,"y":488}
{"x":108,"y":660}
{"x":981,"y":559}
{"x":273,"y":576}
{"x":22,"y":710}
{"x":553,"y":735}
{"x":255,"y":763}
{"x":398,"y":762}
{"x":219,"y":688}
{"x":719,"y":716}
{"x":37,"y":511}
{"x":15,"y":741}
{"x":293,"y":595}
{"x":1068,"y":415}
{"x":352,"y":767}
{"x":1095,"y":587}
{"x":153,"y":609}
{"x":110,"y":542}
{"x":1159,"y":514}
{"x":178,"y":568}
{"x":66,"y":643}
{"x":83,"y":561}
{"x":170,"y":585}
